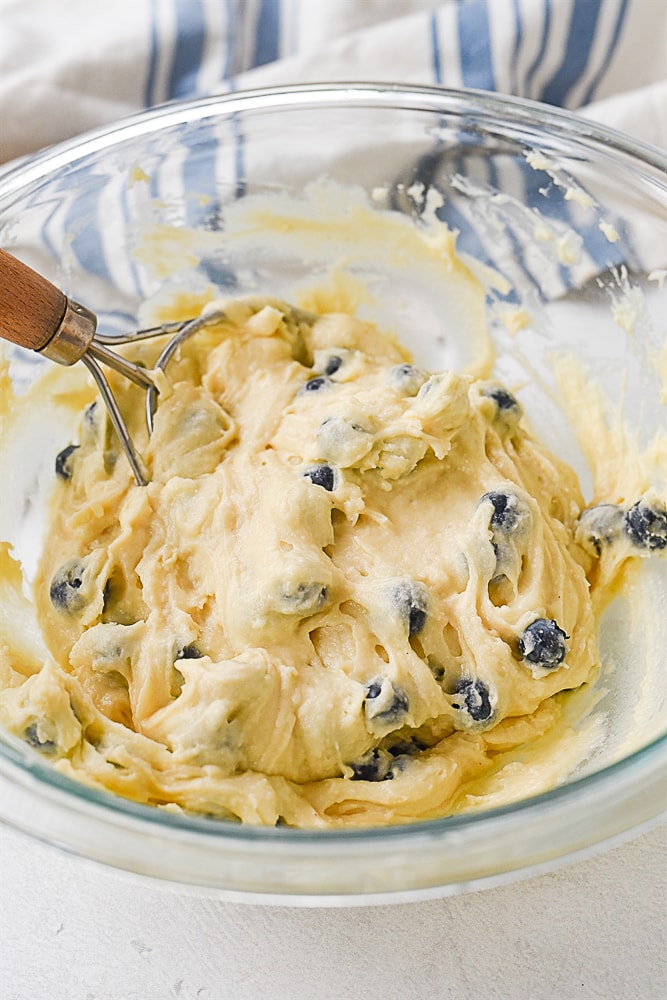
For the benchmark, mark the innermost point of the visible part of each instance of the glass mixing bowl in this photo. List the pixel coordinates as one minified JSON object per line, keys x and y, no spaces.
{"x":572,"y":214}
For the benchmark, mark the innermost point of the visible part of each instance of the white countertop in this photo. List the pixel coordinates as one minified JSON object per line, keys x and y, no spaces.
{"x":70,"y":930}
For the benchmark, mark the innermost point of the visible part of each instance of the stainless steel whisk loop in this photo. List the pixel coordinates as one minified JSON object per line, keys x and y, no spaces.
{"x":35,"y":314}
{"x":98,"y":351}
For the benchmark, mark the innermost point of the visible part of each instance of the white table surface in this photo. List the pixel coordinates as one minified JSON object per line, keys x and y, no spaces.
{"x":70,"y":930}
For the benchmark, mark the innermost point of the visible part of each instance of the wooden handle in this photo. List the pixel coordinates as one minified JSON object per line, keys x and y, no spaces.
{"x":31,"y":308}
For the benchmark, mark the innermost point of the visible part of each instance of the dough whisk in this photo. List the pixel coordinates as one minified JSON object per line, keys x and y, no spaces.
{"x":35,"y":314}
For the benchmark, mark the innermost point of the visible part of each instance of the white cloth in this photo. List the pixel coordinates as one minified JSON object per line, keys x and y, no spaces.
{"x":69,"y":65}
{"x":71,"y":931}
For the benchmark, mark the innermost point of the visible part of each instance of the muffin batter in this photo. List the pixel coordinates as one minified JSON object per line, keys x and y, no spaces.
{"x":351,"y":589}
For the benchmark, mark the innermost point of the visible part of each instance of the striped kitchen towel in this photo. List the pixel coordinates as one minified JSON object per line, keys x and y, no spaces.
{"x":70,"y":65}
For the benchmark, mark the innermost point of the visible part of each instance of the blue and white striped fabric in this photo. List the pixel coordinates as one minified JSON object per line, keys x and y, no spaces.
{"x":67,"y":67}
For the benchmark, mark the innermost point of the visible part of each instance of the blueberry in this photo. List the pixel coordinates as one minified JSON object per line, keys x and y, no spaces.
{"x":409,"y":598}
{"x":416,"y":621}
{"x":503,"y":399}
{"x":333,"y":364}
{"x":384,"y":702}
{"x":64,"y":462}
{"x":646,"y":526}
{"x":373,"y":689}
{"x":65,"y":590}
{"x":342,"y":441}
{"x":32,"y":737}
{"x":543,"y":642}
{"x":599,"y":526}
{"x":305,"y":600}
{"x":475,"y":698}
{"x":507,"y":409}
{"x":509,"y":512}
{"x":407,"y":379}
{"x":315,"y":384}
{"x":404,"y":371}
{"x":91,"y":426}
{"x":90,"y":414}
{"x":407,"y":748}
{"x":189,"y":652}
{"x":322,"y":475}
{"x":373,"y":766}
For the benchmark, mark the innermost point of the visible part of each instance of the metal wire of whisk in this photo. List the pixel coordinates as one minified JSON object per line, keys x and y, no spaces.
{"x":36,"y":315}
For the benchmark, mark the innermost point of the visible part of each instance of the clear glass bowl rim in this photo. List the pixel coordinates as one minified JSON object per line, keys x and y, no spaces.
{"x":619,"y":775}
{"x":475,"y":103}
{"x":517,"y":112}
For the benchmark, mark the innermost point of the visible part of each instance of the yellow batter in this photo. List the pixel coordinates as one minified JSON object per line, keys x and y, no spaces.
{"x":350,"y":589}
{"x":354,"y":592}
